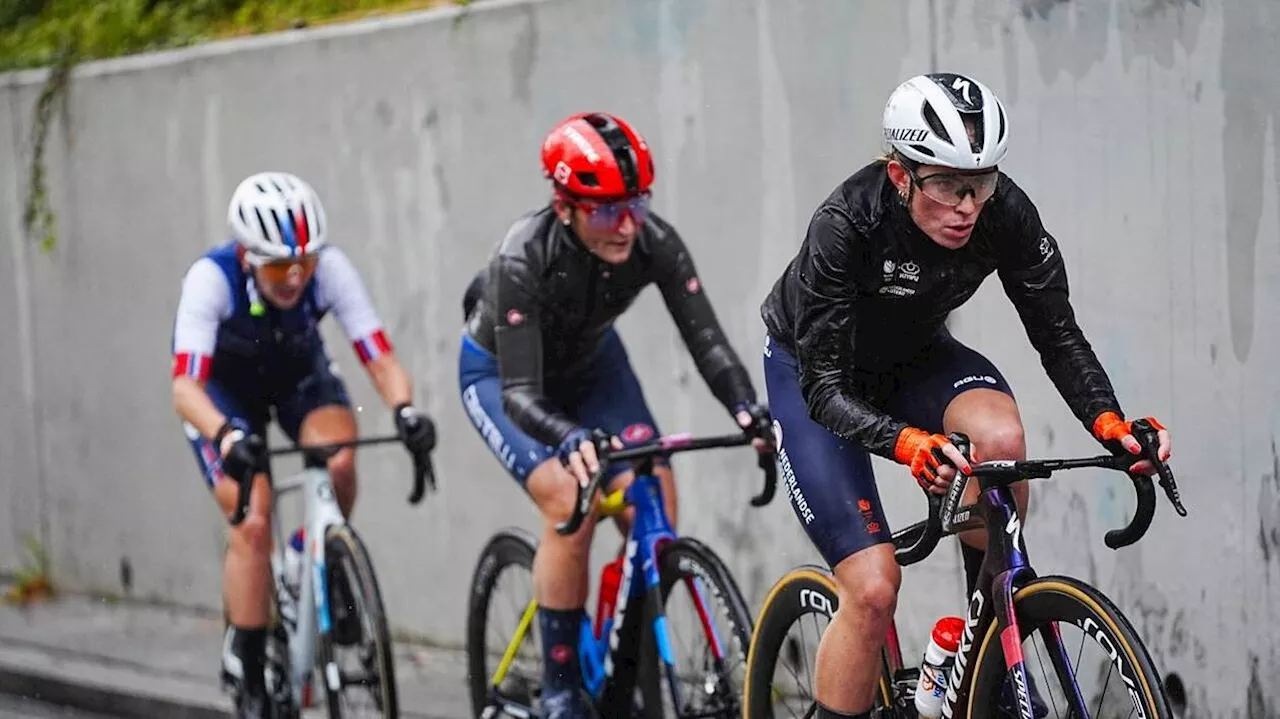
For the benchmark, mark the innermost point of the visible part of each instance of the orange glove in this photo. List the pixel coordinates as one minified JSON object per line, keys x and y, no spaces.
{"x":922,"y":452}
{"x":1110,"y":429}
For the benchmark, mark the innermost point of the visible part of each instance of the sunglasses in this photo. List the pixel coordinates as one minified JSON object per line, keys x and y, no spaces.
{"x":281,"y":271}
{"x":950,"y":188}
{"x":606,"y":216}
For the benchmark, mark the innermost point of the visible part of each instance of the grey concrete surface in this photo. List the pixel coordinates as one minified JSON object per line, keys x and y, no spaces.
{"x":20,"y":708}
{"x":1144,"y":131}
{"x":132,"y":659}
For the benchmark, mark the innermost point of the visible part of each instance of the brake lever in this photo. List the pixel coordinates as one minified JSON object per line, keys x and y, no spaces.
{"x":1149,"y":438}
{"x":767,"y":463}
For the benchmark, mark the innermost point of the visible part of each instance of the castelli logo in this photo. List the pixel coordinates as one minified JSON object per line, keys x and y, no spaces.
{"x":514,"y":317}
{"x":562,"y":173}
{"x":560,"y":653}
{"x":692,"y":285}
{"x":638,"y":432}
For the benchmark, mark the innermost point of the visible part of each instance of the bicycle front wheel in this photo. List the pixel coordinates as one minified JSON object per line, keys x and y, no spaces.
{"x":359,"y":625}
{"x":780,"y":663}
{"x":708,"y":627}
{"x":1069,"y":618}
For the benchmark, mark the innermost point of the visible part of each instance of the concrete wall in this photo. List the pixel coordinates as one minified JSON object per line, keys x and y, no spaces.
{"x":1144,"y":130}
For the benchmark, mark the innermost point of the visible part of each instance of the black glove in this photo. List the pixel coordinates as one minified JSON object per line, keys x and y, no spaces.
{"x":415,"y":429}
{"x":247,"y":454}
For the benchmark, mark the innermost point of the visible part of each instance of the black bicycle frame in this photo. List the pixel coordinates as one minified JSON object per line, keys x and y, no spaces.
{"x":1006,"y":566}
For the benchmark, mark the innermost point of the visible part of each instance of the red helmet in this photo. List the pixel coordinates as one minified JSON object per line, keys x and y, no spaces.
{"x":597,"y":155}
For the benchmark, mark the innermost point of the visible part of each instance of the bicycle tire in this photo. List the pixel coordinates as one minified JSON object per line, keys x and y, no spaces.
{"x":507,"y":547}
{"x":681,"y":558}
{"x":1050,"y":599}
{"x":343,"y":541}
{"x":786,"y":603}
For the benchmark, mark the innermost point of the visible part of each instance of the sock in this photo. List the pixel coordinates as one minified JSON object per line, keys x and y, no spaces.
{"x":560,"y":632}
{"x":825,"y":713}
{"x":249,"y":646}
{"x":972,"y":563}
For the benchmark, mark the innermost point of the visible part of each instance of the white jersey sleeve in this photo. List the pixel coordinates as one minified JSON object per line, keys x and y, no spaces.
{"x":204,"y":304}
{"x":339,"y":287}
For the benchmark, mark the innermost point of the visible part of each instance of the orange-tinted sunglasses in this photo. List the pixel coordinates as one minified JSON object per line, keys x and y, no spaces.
{"x":282,"y":271}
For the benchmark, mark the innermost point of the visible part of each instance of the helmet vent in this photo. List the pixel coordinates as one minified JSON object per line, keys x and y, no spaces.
{"x":935,"y":123}
{"x":620,"y":145}
{"x":262,"y":224}
{"x":589,"y":179}
{"x":979,"y":131}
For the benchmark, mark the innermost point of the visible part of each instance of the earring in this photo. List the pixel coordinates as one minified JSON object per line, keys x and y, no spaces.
{"x":566,"y":221}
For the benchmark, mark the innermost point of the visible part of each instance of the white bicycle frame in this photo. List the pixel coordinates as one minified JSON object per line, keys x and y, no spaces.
{"x":312,"y":613}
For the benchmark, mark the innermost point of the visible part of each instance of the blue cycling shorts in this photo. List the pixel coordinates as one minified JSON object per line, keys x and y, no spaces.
{"x":606,"y":395}
{"x":319,"y":388}
{"x":829,"y":481}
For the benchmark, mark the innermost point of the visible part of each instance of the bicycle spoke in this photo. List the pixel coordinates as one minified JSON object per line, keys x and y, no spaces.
{"x":1045,"y":674}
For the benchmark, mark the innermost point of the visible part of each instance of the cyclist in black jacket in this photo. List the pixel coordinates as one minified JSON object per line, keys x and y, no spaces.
{"x":858,"y":359}
{"x":542,"y":369}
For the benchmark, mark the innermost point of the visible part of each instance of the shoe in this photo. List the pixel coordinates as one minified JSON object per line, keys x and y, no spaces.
{"x":1009,"y":698}
{"x":565,"y":705}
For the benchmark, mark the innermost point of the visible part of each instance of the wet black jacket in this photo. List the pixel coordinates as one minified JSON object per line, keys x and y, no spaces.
{"x":868,"y":289}
{"x":544,"y":302}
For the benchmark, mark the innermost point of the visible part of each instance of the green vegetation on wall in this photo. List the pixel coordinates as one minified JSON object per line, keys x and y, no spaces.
{"x":61,"y":33}
{"x":34,"y":32}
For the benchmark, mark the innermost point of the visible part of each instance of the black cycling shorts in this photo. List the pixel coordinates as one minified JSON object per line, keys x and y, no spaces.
{"x":829,"y":481}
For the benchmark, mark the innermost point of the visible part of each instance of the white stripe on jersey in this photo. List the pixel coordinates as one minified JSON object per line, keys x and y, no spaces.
{"x":339,"y":287}
{"x":205,"y":303}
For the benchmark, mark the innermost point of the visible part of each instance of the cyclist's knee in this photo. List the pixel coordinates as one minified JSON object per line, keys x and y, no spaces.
{"x":555,"y":491}
{"x":342,"y":466}
{"x":342,"y":472}
{"x":868,"y":582}
{"x":1004,"y":440}
{"x":254,"y":534}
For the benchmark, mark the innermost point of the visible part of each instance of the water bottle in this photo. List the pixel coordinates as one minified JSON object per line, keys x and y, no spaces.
{"x":939,"y":656}
{"x":610,"y":578}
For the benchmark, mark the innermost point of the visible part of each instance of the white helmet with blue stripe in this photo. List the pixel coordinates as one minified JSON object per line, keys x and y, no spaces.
{"x":275,"y":216}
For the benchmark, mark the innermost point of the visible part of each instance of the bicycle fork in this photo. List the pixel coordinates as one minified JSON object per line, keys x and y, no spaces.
{"x":1009,"y":554}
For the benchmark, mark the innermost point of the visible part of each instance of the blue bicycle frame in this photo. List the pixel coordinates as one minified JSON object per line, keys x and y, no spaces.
{"x":602,"y":657}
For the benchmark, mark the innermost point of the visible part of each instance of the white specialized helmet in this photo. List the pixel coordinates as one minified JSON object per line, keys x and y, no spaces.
{"x":276,"y":215}
{"x":924,"y":121}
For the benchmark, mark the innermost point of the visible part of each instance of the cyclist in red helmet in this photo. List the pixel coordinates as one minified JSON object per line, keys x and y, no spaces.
{"x":542,"y":370}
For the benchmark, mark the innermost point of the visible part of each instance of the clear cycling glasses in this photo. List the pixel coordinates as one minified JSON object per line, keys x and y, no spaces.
{"x":950,"y":188}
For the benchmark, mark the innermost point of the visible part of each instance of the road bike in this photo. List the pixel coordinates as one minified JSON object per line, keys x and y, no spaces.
{"x":327,"y":601}
{"x":1010,"y":604}
{"x":627,"y":648}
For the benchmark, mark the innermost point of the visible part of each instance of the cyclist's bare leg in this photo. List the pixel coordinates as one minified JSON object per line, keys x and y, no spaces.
{"x":327,"y":425}
{"x":991,"y":421}
{"x":848,"y":659}
{"x":560,"y":564}
{"x":559,"y":584}
{"x":246,"y":570}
